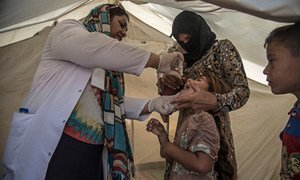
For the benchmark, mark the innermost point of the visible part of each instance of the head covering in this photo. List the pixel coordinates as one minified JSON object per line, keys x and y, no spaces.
{"x":111,"y":101}
{"x":202,"y":38}
{"x":99,"y":18}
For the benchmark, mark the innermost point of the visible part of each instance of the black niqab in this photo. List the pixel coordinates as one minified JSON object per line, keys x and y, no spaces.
{"x":202,"y":38}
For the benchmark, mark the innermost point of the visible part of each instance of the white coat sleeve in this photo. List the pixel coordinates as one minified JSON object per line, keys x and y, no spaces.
{"x":134,"y":107}
{"x":70,"y":41}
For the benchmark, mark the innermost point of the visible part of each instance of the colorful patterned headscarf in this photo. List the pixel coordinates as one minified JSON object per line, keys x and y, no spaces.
{"x":112,"y":103}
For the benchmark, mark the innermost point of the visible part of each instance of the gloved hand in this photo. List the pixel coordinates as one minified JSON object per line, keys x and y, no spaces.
{"x":162,"y":104}
{"x":171,"y":62}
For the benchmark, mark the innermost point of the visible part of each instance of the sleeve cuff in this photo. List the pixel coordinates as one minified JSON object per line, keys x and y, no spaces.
{"x":134,"y":107}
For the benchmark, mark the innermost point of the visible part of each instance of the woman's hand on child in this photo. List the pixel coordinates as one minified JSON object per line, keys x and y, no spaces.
{"x":198,"y":100}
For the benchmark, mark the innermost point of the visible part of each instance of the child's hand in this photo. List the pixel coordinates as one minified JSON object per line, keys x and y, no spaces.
{"x":155,"y":127}
{"x":158,"y":129}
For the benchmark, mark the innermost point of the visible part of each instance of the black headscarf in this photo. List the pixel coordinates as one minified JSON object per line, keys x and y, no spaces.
{"x":202,"y":38}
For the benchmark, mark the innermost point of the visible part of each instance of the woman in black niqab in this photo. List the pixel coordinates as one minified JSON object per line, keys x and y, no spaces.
{"x":202,"y":38}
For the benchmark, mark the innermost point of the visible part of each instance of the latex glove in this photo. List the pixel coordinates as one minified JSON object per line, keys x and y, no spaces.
{"x":162,"y":104}
{"x":171,"y":62}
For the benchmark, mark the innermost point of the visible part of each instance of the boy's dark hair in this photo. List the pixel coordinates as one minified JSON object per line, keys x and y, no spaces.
{"x":288,"y":37}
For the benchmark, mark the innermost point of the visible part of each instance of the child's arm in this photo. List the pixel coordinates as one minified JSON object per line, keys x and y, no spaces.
{"x":158,"y":129}
{"x":202,"y":146}
{"x":198,"y":162}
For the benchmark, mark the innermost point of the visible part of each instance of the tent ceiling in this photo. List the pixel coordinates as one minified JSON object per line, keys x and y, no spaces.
{"x":275,"y":10}
{"x":16,"y":11}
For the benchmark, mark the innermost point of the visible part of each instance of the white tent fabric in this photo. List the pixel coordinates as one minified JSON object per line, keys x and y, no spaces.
{"x":276,"y":10}
{"x":255,"y":126}
{"x":15,"y":11}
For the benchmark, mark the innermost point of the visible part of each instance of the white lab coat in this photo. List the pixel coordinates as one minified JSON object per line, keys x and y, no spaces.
{"x":69,"y":57}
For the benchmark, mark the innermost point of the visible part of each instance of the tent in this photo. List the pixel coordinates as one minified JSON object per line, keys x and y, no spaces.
{"x":256,"y":126}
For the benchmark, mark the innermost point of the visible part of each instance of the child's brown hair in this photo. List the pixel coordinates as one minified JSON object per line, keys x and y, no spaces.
{"x":215,"y":83}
